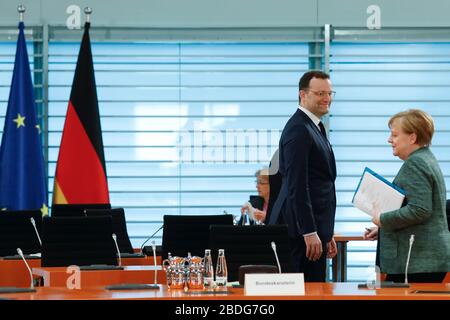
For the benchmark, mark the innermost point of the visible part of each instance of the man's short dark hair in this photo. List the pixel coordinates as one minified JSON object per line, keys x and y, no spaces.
{"x":306,"y":78}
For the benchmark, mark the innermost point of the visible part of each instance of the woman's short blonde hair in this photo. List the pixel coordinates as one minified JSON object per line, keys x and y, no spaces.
{"x":415,"y":121}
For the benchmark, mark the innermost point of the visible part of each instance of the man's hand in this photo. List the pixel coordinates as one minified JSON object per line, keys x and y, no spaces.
{"x":313,"y":247}
{"x":332,"y":249}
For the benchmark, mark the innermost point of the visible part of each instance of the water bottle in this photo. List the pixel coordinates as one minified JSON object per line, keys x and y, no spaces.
{"x":221,"y":270}
{"x":246,"y":219}
{"x":208,"y":271}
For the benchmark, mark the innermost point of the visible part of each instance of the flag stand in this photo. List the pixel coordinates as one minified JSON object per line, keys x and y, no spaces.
{"x":21,"y":9}
{"x":88,"y":12}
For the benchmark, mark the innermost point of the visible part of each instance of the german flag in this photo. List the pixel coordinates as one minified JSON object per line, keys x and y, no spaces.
{"x":80,"y":171}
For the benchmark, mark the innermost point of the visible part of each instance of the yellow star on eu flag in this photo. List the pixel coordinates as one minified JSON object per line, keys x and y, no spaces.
{"x":44,"y":210}
{"x":20,"y":121}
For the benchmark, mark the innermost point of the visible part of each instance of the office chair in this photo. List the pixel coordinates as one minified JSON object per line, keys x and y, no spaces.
{"x":76,"y":210}
{"x":77,"y":241}
{"x":448,"y":214}
{"x":17,"y":231}
{"x":183,"y":234}
{"x":119,"y":226}
{"x":254,"y":268}
{"x":250,"y":245}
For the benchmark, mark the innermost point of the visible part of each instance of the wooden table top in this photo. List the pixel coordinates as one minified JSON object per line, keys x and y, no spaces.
{"x":313,"y":291}
{"x":349,"y":237}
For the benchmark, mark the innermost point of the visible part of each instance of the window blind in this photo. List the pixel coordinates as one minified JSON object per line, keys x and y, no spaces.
{"x":185,"y":125}
{"x":373,"y":82}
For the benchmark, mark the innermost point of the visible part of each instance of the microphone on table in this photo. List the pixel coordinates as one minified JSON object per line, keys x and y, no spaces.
{"x":154,"y":285}
{"x":136,"y":286}
{"x":105,"y":266}
{"x":19,"y":251}
{"x":117,"y":248}
{"x":274,"y":248}
{"x":391,"y":284}
{"x":149,"y":238}
{"x":35,"y":230}
{"x":19,"y":290}
{"x":411,"y":241}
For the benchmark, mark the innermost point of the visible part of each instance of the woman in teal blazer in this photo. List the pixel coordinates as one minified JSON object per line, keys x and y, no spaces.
{"x":423,"y":215}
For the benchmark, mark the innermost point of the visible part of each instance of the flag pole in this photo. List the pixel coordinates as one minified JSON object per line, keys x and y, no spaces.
{"x":21,"y":9}
{"x":88,"y":12}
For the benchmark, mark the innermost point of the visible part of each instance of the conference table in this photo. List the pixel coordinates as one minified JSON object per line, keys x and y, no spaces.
{"x":66,"y":276}
{"x":14,"y":273}
{"x":313,"y":291}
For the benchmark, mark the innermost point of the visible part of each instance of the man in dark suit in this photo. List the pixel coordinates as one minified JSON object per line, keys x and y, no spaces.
{"x":306,"y":201}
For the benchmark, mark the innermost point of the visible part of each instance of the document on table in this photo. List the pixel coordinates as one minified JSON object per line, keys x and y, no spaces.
{"x":375,"y":193}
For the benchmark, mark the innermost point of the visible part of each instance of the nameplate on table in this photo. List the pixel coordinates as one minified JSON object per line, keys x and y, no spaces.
{"x":274,"y":284}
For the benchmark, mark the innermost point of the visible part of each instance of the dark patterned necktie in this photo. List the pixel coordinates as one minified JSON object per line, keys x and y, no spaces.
{"x":322,"y":130}
{"x":324,"y":133}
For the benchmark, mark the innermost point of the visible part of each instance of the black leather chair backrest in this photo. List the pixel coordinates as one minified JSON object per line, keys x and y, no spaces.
{"x":76,"y":210}
{"x":254,"y":268}
{"x":250,"y":245}
{"x":16,"y":231}
{"x":119,"y":226}
{"x":77,"y":241}
{"x":189,"y":233}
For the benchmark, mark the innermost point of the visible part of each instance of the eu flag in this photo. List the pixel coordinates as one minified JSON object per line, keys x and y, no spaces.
{"x":22,"y":172}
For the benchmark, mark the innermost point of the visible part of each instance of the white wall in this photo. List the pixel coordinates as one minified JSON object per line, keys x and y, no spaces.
{"x":232,"y":13}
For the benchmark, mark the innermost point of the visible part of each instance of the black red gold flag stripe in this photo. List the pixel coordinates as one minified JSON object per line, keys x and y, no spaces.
{"x":80,"y":176}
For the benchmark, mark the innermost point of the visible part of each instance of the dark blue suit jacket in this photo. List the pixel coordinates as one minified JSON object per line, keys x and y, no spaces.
{"x":307,"y":198}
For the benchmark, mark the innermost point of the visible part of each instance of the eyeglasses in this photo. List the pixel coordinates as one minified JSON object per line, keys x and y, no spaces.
{"x":322,"y":94}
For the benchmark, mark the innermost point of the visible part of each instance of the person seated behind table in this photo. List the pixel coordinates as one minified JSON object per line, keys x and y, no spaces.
{"x":254,"y":211}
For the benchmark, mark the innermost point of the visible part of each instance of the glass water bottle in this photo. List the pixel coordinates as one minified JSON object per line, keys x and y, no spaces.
{"x":221,"y":270}
{"x":208,"y":271}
